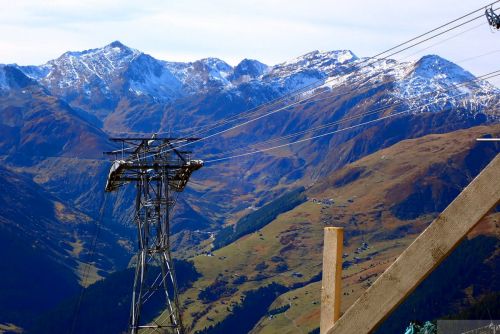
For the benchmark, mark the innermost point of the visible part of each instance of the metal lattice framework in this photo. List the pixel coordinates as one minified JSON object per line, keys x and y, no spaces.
{"x":493,"y":18}
{"x":159,"y":171}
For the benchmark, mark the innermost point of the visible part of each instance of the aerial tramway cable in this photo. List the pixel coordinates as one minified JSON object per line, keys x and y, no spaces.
{"x":301,"y":90}
{"x":321,"y":81}
{"x":445,"y":40}
{"x":318,"y":82}
{"x":257,"y":109}
{"x":478,"y":56}
{"x":298,"y":92}
{"x":327,"y":133}
{"x":86,"y":271}
{"x":355,"y":67}
{"x":368,"y":113}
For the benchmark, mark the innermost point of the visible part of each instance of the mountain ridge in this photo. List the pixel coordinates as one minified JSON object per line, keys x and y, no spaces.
{"x":118,"y":69}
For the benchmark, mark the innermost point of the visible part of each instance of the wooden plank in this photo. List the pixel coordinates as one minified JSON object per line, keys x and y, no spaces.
{"x":332,"y":274}
{"x":424,"y":254}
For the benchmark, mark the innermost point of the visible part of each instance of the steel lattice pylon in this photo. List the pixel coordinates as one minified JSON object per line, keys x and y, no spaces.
{"x":159,"y":171}
{"x":493,"y":18}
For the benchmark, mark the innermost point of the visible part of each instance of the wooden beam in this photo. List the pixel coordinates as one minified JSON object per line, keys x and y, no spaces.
{"x":332,"y":275}
{"x":424,"y":254}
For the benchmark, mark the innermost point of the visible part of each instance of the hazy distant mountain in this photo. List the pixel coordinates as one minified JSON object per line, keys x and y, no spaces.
{"x":36,"y":124}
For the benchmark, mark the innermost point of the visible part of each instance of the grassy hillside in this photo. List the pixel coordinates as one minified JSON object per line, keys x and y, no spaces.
{"x":105,"y":304}
{"x":260,"y":218}
{"x":469,"y":273}
{"x":374,"y":199}
{"x":39,"y":265}
{"x":46,"y":243}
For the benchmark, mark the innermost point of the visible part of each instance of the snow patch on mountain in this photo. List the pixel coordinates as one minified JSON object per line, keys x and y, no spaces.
{"x":315,"y":60}
{"x":202,"y":75}
{"x":148,"y":76}
{"x":311,"y":67}
{"x":247,"y":70}
{"x":218,"y":69}
{"x":162,"y":85}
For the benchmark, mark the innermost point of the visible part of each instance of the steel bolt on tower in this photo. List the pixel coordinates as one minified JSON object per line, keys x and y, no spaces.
{"x":159,"y":171}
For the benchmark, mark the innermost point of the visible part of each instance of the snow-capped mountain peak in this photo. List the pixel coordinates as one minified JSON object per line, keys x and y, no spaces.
{"x":101,"y":63}
{"x":217,"y":69}
{"x":319,"y":59}
{"x":249,"y":69}
{"x":216,"y":64}
{"x":202,"y":74}
{"x":309,"y":68}
{"x":81,"y":72}
{"x":115,"y":52}
{"x":428,"y":65}
{"x":433,"y":73}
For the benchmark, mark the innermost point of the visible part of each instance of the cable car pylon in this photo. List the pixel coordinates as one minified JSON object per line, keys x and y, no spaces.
{"x":159,"y":171}
{"x":493,"y":18}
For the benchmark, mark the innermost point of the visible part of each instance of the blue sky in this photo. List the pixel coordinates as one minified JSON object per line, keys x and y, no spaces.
{"x":271,"y":31}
